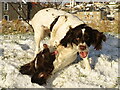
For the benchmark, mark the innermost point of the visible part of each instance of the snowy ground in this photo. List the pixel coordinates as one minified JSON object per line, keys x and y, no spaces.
{"x":16,"y":50}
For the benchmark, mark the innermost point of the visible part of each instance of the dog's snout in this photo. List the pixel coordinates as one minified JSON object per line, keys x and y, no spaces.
{"x":82,"y":47}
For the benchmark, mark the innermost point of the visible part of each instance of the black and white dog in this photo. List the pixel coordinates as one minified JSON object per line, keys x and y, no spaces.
{"x":68,"y":34}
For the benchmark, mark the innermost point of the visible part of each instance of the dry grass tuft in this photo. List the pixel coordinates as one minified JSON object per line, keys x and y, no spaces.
{"x":106,"y":25}
{"x":15,"y":27}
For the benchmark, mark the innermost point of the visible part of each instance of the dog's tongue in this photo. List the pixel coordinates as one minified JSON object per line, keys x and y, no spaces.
{"x":83,"y":54}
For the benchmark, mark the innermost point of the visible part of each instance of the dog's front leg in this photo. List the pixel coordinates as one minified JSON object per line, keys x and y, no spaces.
{"x":87,"y":63}
{"x":38,"y":36}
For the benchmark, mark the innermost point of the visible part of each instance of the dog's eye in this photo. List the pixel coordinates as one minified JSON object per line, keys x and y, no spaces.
{"x":76,"y":40}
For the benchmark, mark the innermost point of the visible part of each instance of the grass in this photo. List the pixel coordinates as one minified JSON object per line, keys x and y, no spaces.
{"x":15,"y":27}
{"x":106,"y":25}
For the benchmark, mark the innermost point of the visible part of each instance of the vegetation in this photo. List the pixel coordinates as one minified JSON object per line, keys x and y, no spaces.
{"x":15,"y":27}
{"x":106,"y":25}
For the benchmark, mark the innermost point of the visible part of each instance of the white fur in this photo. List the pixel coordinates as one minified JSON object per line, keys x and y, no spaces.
{"x":36,"y":63}
{"x":41,"y":23}
{"x":83,"y":31}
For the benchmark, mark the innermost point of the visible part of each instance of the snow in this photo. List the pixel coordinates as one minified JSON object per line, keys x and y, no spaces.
{"x":16,"y":50}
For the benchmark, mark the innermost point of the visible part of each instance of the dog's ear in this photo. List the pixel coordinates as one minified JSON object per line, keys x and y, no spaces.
{"x":28,"y":69}
{"x":68,"y":37}
{"x":98,"y":38}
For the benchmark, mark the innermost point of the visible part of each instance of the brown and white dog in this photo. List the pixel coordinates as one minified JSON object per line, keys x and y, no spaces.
{"x":68,"y":34}
{"x":41,"y":67}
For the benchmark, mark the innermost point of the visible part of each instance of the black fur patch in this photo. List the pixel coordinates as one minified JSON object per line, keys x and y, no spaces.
{"x":53,"y":23}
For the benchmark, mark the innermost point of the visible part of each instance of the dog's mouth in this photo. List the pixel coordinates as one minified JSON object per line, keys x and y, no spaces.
{"x":83,"y":54}
{"x":83,"y":51}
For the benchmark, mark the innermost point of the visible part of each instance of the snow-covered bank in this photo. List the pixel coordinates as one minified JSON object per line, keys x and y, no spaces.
{"x":16,"y":50}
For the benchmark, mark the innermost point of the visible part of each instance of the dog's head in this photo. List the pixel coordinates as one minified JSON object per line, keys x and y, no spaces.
{"x":83,"y":37}
{"x":45,"y":69}
{"x":41,"y":67}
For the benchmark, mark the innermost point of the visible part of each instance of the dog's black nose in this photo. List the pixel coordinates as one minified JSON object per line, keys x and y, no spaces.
{"x":82,"y":47}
